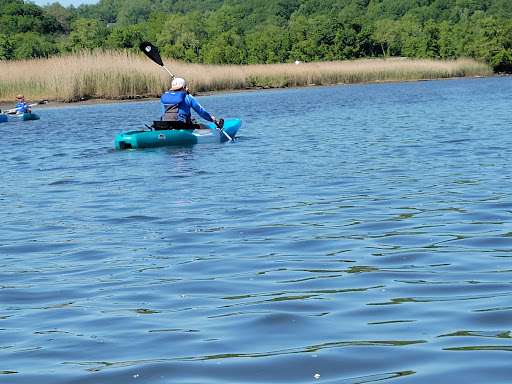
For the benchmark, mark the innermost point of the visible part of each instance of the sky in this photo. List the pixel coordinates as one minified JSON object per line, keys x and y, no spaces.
{"x":64,"y":3}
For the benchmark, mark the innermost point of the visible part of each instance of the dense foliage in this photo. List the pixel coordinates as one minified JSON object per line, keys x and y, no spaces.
{"x":269,"y":31}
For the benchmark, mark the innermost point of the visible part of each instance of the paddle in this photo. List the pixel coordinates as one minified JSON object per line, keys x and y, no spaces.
{"x":152,"y":52}
{"x":30,"y":105}
{"x":220,"y":123}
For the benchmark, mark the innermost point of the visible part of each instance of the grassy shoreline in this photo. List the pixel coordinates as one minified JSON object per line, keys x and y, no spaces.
{"x":121,"y":75}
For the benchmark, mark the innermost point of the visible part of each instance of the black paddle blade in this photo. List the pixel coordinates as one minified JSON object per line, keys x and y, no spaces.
{"x":152,"y":52}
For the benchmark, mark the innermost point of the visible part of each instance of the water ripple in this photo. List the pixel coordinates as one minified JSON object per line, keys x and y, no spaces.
{"x":364,"y":238}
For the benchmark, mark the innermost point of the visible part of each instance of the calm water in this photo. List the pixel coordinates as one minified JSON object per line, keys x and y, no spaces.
{"x":349,"y":235}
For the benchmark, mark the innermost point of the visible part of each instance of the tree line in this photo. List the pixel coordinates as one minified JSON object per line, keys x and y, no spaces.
{"x":270,"y":31}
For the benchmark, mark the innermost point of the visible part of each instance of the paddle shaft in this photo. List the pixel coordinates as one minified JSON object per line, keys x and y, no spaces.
{"x":31,"y":105}
{"x":224,"y":132}
{"x":220,"y":123}
{"x":168,"y":71}
{"x":18,"y":108}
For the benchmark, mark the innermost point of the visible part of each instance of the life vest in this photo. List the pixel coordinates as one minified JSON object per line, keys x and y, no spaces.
{"x":22,"y":107}
{"x":171,"y":101}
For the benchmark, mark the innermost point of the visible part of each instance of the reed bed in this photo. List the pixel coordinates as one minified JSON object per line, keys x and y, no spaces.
{"x":124,"y":75}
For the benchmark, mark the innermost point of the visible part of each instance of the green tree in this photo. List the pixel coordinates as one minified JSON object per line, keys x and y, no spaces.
{"x":225,"y":48}
{"x":500,"y":9}
{"x":30,"y":45}
{"x":6,"y":48}
{"x":312,"y":39}
{"x":411,"y":35}
{"x":182,"y":36}
{"x":18,"y":17}
{"x":63,"y":16}
{"x":87,"y":33}
{"x":486,"y":38}
{"x":252,"y":31}
{"x":227,"y":19}
{"x":387,"y":35}
{"x":153,"y":26}
{"x":134,"y":12}
{"x":125,"y":37}
{"x":447,"y":43}
{"x":429,"y":41}
{"x":224,"y":43}
{"x":502,"y":61}
{"x":267,"y":44}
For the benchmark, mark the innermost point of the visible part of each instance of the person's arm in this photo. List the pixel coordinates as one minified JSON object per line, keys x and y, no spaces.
{"x":199,"y":109}
{"x":14,"y":110}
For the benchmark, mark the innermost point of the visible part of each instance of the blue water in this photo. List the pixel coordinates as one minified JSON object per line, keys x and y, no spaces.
{"x":349,"y":235}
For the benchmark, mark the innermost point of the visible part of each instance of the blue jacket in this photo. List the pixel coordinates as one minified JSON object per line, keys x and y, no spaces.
{"x":176,"y":106}
{"x":22,"y":107}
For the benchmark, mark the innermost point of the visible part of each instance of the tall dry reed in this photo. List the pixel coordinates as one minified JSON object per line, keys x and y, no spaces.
{"x":125,"y":75}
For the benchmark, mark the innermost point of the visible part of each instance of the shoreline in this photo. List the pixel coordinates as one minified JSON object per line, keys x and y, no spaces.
{"x":112,"y":76}
{"x":4,"y":105}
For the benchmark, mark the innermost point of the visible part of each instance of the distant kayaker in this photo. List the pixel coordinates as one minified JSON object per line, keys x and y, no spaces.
{"x":176,"y":104}
{"x":21,"y":107}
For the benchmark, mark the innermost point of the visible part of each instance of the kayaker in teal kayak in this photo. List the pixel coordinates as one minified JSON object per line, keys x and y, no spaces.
{"x":176,"y":104}
{"x":21,"y":107}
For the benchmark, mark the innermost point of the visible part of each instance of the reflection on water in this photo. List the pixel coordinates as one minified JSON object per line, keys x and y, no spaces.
{"x":349,"y":235}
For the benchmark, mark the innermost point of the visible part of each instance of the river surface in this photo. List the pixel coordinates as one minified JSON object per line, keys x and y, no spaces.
{"x":350,"y":234}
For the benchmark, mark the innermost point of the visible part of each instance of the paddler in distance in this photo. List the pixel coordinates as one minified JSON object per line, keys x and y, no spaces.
{"x":21,"y":107}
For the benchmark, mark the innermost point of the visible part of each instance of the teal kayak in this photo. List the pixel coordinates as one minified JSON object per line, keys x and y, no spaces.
{"x":203,"y":133}
{"x":4,"y":117}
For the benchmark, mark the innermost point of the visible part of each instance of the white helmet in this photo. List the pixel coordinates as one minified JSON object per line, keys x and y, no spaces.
{"x":178,"y":83}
